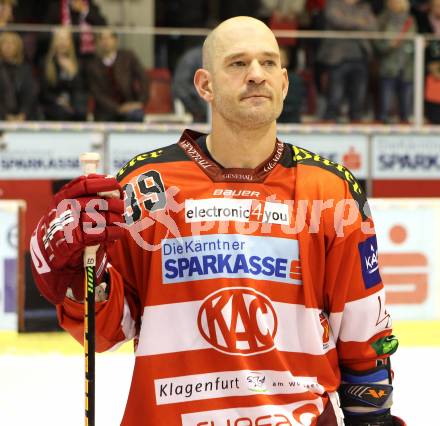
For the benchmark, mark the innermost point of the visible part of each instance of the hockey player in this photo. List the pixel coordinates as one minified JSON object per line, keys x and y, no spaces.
{"x":245,"y":268}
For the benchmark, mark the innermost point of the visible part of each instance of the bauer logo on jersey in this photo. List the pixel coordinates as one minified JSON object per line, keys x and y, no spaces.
{"x":230,"y":256}
{"x":370,"y":262}
{"x":238,"y":210}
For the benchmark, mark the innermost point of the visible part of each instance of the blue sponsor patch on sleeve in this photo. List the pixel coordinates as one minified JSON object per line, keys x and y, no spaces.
{"x":369,"y":262}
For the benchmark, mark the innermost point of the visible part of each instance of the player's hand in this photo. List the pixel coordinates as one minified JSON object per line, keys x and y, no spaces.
{"x":78,"y":217}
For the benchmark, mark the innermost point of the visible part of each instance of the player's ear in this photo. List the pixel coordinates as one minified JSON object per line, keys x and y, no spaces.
{"x":202,"y":81}
{"x":285,"y":83}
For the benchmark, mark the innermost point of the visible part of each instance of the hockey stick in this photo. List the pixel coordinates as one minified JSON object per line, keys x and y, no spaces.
{"x":89,"y":163}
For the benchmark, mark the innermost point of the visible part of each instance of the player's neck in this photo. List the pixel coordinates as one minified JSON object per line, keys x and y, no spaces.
{"x":241,"y":148}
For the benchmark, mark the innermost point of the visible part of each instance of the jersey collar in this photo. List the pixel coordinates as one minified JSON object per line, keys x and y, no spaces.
{"x":199,"y":154}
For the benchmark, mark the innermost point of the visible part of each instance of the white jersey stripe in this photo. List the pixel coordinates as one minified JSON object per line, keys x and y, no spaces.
{"x":353,"y":324}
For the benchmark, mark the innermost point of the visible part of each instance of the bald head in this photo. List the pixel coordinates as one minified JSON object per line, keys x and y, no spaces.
{"x":228,"y":31}
{"x":242,"y":78}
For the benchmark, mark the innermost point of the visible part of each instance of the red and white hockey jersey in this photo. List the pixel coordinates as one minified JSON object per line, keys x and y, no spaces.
{"x":246,"y":289}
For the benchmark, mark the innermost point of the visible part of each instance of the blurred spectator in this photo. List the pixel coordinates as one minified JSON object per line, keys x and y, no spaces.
{"x":230,"y":8}
{"x":183,"y":83}
{"x":316,"y":17}
{"x":294,"y":101}
{"x":429,"y":23}
{"x":82,"y":13}
{"x":396,"y":58}
{"x":62,"y":93}
{"x":315,"y":11}
{"x":346,"y":59}
{"x":26,"y":12}
{"x":419,"y":7}
{"x":287,"y":15}
{"x":117,"y":81}
{"x":6,"y":12}
{"x":18,"y":100}
{"x":377,"y":6}
{"x":179,"y":13}
{"x":284,"y":15}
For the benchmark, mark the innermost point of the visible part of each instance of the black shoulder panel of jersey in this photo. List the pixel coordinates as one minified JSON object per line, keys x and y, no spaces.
{"x":303,"y":156}
{"x":167,"y":154}
{"x":287,"y":160}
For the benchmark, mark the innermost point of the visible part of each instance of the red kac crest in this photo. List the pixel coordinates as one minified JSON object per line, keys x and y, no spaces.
{"x":238,"y":321}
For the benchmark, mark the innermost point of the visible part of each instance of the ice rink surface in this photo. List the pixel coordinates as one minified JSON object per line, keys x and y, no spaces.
{"x":47,"y":390}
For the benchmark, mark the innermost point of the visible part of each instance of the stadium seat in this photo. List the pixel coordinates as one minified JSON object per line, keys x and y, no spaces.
{"x":161,"y":100}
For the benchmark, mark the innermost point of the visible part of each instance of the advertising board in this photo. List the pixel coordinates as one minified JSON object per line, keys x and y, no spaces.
{"x":408,"y":234}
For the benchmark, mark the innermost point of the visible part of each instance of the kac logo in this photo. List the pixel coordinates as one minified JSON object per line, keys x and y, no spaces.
{"x":369,"y":262}
{"x":238,"y":321}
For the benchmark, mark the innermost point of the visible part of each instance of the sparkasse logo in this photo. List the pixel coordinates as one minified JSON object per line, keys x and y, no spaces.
{"x":238,"y":321}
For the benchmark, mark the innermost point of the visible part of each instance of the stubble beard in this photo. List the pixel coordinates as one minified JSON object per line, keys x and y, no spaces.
{"x":251,"y":117}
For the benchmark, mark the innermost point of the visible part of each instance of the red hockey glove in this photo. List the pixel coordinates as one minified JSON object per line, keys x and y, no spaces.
{"x":78,"y":217}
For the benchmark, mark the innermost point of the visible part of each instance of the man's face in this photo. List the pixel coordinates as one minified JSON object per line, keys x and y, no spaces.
{"x":107,"y":42}
{"x":248,"y":83}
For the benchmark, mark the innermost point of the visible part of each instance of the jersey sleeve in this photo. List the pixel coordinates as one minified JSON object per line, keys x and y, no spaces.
{"x":355,"y":292}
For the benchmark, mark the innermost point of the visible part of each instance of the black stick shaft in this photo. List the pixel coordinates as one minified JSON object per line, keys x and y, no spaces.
{"x":89,"y":161}
{"x":89,"y":345}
